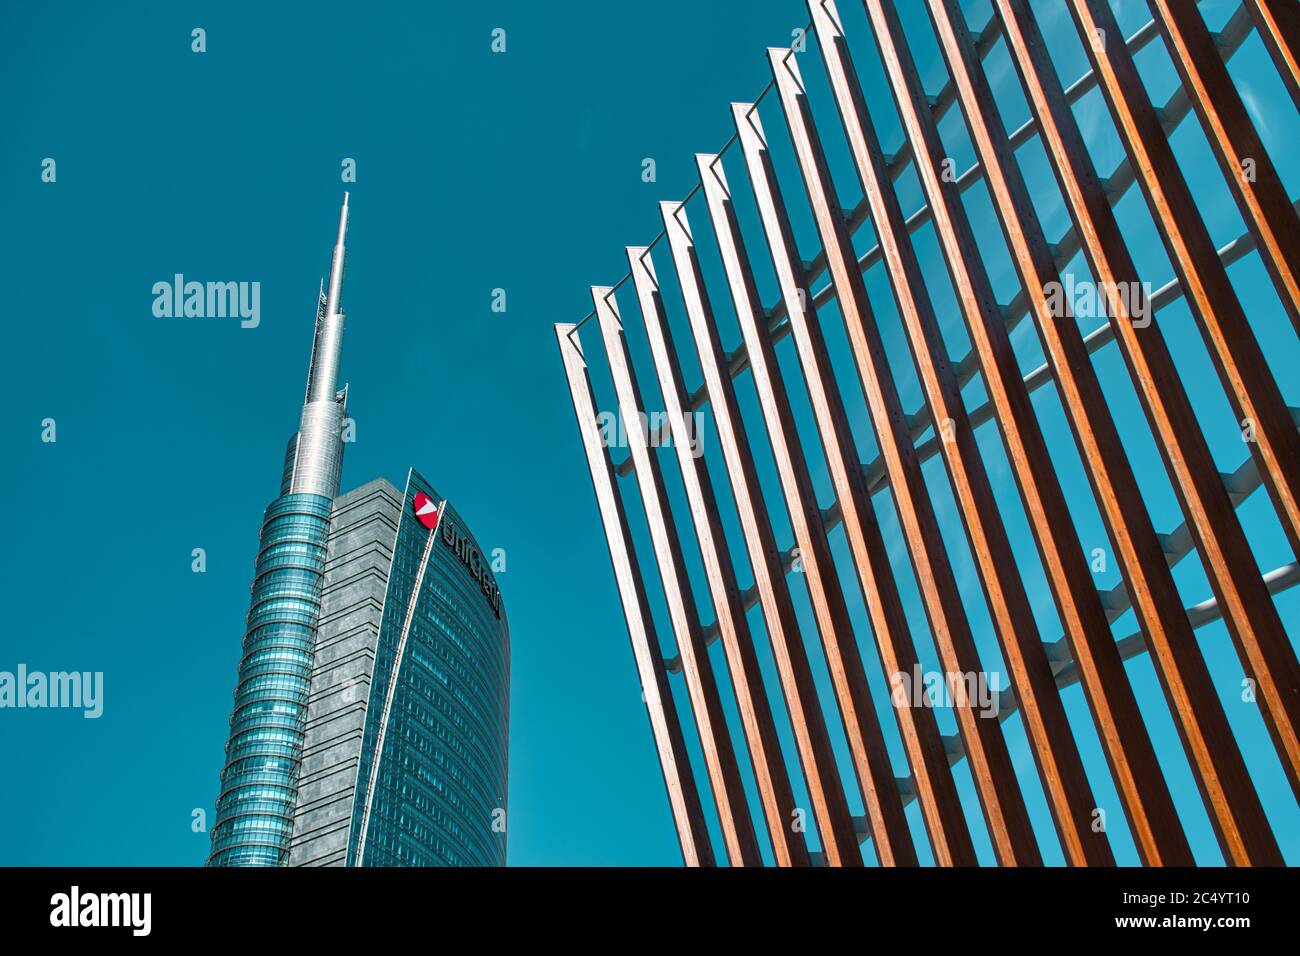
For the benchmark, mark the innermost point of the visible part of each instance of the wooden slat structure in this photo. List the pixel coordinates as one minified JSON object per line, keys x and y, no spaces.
{"x":798,"y":515}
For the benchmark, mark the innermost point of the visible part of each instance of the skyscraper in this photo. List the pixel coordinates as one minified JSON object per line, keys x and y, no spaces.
{"x":372,"y":700}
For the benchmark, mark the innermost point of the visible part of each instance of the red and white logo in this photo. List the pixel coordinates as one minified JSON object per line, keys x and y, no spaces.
{"x":427,"y":510}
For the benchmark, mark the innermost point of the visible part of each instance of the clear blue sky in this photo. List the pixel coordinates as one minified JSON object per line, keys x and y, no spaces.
{"x":475,"y":171}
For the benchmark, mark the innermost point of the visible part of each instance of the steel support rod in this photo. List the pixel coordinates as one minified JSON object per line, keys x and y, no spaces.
{"x":1134,"y":645}
{"x":830,"y":807}
{"x":1251,"y":175}
{"x":1250,"y":614}
{"x":1071,"y":581}
{"x":702,"y":688}
{"x":1172,"y":114}
{"x":1230,"y":798}
{"x":1251,"y":617}
{"x":1242,"y":483}
{"x":773,"y":781}
{"x":683,"y":796}
{"x":940,"y":804}
{"x":1245,"y":374}
{"x":918,"y":424}
{"x":995,"y":779}
{"x":866,"y":741}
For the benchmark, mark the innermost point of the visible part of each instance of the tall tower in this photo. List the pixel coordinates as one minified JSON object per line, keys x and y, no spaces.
{"x":372,"y":707}
{"x":259,"y":784}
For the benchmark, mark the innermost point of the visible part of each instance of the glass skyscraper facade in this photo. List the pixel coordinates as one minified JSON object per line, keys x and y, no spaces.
{"x":258,"y":785}
{"x":436,"y":788}
{"x":370,"y":721}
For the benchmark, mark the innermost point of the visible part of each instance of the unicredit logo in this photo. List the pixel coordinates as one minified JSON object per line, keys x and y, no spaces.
{"x":426,"y":509}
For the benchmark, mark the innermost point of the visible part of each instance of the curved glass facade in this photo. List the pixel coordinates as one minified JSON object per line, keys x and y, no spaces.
{"x":254,"y":813}
{"x":372,"y":690}
{"x":439,"y":788}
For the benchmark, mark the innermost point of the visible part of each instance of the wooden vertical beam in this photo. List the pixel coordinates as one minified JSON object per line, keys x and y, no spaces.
{"x":1249,"y":612}
{"x":1082,"y":615}
{"x":702,"y":687}
{"x":830,"y":807}
{"x":1245,"y":374}
{"x":940,"y":805}
{"x":683,"y":797}
{"x":1225,"y":784}
{"x":774,"y":791}
{"x":1255,"y":184}
{"x":994,"y":775}
{"x":1278,"y":22}
{"x":866,"y":742}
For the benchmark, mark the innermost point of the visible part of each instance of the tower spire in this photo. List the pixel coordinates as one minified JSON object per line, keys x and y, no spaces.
{"x":323,"y":379}
{"x":318,"y":446}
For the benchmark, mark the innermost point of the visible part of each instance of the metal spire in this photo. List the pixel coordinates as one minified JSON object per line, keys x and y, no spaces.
{"x":318,"y":451}
{"x":329,"y":331}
